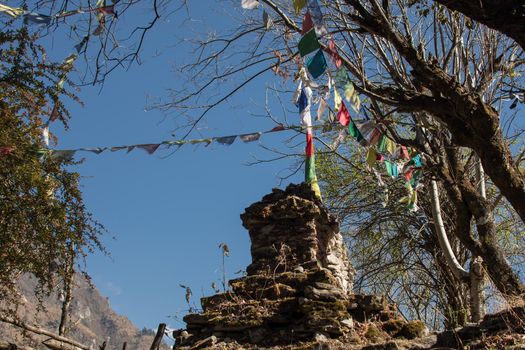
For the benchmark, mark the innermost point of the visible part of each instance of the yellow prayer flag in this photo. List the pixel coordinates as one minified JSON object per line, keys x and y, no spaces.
{"x":298,"y":5}
{"x":390,"y":145}
{"x":337,"y":100}
{"x":371,"y":157}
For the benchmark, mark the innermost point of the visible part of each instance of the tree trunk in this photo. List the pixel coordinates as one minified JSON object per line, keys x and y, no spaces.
{"x":505,"y":16}
{"x":476,"y":290}
{"x":452,"y":262}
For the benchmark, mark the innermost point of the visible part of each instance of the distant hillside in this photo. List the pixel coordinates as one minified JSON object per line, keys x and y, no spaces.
{"x":93,"y":319}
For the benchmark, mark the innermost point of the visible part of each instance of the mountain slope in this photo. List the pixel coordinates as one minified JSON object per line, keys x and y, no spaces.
{"x":92,"y":321}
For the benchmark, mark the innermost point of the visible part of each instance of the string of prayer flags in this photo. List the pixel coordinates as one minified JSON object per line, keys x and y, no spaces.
{"x":298,"y":5}
{"x":308,"y":24}
{"x":11,"y":11}
{"x":310,"y":176}
{"x":249,"y":4}
{"x":308,"y":43}
{"x":317,"y":64}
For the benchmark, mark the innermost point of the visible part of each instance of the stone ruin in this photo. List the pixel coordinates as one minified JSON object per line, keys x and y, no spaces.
{"x":298,"y":289}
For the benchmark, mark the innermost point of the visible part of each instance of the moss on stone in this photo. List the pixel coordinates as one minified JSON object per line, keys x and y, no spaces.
{"x":412,"y":329}
{"x":373,"y":333}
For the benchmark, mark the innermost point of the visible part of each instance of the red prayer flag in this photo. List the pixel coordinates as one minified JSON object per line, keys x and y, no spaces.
{"x":309,"y":145}
{"x":408,"y":174}
{"x":380,"y":158}
{"x":307,"y":23}
{"x":404,"y":152}
{"x":343,"y":116}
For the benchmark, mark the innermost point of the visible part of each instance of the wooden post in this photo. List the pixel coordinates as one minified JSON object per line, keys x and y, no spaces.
{"x":158,"y":337}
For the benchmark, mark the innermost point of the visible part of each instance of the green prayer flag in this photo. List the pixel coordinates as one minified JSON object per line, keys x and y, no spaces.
{"x":381,"y":146}
{"x":354,"y":131}
{"x":317,"y":64}
{"x":308,"y":43}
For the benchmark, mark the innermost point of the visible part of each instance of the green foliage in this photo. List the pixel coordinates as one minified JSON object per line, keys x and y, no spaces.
{"x":44,"y":225}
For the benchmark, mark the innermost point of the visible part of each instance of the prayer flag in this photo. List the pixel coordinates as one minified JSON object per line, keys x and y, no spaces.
{"x":249,"y":4}
{"x":250,"y":137}
{"x":343,"y":116}
{"x":308,"y":43}
{"x":371,"y":157}
{"x":337,"y":100}
{"x":81,"y":44}
{"x":150,"y":147}
{"x":97,"y":150}
{"x":404,"y":153}
{"x":117,"y":148}
{"x":308,"y":24}
{"x":381,"y":146}
{"x":317,"y":16}
{"x":375,"y":137}
{"x":45,"y":135}
{"x":332,"y":52}
{"x":354,"y":131}
{"x":390,"y":145}
{"x":298,"y":5}
{"x":303,"y":101}
{"x":391,"y":168}
{"x":321,"y":109}
{"x":279,"y":127}
{"x":226,"y":140}
{"x":106,"y":10}
{"x":37,"y":18}
{"x":317,"y":64}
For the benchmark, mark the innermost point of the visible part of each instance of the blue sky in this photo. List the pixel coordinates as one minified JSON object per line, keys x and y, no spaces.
{"x":168,"y":215}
